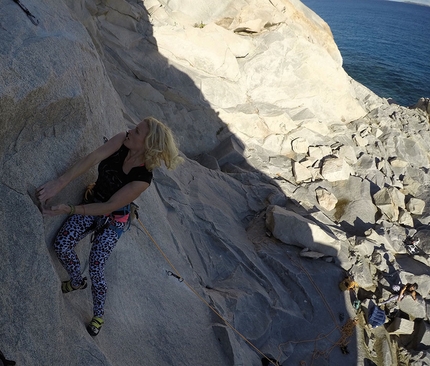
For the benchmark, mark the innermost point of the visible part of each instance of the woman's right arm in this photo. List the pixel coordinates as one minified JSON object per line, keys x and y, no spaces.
{"x":402,"y":292}
{"x":53,"y":187}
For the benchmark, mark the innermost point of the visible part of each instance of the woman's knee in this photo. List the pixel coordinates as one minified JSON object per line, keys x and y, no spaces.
{"x":73,"y":229}
{"x":63,"y":244}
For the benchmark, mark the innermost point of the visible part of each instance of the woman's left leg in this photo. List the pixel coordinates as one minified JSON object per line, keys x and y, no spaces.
{"x":101,"y":249}
{"x":391,"y":299}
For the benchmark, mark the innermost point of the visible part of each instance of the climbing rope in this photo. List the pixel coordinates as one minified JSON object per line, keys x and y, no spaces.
{"x":346,"y":331}
{"x":176,"y":274}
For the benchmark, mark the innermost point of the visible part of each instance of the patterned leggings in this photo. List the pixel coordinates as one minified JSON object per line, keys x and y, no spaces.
{"x":74,"y":229}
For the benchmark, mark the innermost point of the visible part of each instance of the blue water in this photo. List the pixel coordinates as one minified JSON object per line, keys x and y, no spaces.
{"x":385,"y":45}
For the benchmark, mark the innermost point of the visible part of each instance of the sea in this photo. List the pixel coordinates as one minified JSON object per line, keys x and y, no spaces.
{"x":385,"y":45}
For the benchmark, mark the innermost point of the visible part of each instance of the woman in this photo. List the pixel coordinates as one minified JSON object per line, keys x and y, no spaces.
{"x":408,"y":289}
{"x":125,"y":170}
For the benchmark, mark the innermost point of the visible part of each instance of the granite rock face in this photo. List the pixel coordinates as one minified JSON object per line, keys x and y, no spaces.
{"x":295,"y":175}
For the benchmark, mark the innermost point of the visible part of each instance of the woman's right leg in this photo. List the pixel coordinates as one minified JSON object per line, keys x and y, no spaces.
{"x":74,"y":229}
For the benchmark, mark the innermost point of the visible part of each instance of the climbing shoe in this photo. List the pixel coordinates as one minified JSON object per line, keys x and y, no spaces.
{"x":95,"y":325}
{"x":66,"y":286}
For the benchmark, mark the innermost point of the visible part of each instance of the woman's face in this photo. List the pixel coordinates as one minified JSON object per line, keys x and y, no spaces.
{"x":136,"y":137}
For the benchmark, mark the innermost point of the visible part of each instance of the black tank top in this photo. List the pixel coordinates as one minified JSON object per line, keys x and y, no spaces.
{"x":112,"y":178}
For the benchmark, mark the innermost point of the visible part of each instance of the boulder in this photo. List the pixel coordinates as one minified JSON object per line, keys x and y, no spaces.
{"x":415,"y":206}
{"x":354,"y":210}
{"x":387,"y":202}
{"x":326,"y":199}
{"x":300,"y":145}
{"x":382,"y":241}
{"x":301,"y":173}
{"x":362,"y":274}
{"x":365,"y":163}
{"x":411,"y":186}
{"x":378,"y":180}
{"x":293,"y":229}
{"x":335,"y":169}
{"x":398,"y":166}
{"x":394,"y":234}
{"x":397,"y":197}
{"x":400,"y":326}
{"x":347,"y":153}
{"x":208,"y":161}
{"x":419,"y":358}
{"x":414,"y":308}
{"x":229,"y":151}
{"x":423,"y":104}
{"x":364,"y":247}
{"x":361,"y":141}
{"x":319,"y":152}
{"x":406,"y":148}
{"x":405,"y":218}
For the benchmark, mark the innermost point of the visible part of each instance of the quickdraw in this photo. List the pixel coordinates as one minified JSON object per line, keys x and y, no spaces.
{"x":30,"y":16}
{"x":170,"y":273}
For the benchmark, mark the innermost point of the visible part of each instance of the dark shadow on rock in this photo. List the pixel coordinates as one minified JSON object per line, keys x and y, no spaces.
{"x":392,"y":276}
{"x":409,"y":264}
{"x":367,"y":362}
{"x":373,"y":187}
{"x":419,"y":332}
{"x":363,"y":294}
{"x":269,"y":361}
{"x":4,"y":361}
{"x":392,"y":279}
{"x":358,"y":228}
{"x":412,"y":342}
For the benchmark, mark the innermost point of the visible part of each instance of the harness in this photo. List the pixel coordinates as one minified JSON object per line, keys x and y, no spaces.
{"x":124,"y":214}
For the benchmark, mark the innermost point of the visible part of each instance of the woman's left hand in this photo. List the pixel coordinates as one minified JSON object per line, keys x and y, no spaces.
{"x":57,"y":210}
{"x":48,"y":190}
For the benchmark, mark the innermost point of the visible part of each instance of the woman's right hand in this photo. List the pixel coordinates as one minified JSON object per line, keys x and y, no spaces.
{"x":57,"y":210}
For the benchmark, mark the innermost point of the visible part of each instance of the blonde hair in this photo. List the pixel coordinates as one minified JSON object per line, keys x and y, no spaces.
{"x":160,"y":145}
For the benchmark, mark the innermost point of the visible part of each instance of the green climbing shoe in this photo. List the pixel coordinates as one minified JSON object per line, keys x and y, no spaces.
{"x":66,"y":286}
{"x":95,"y":325}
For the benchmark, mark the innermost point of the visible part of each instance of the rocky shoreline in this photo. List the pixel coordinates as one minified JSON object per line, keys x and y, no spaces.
{"x":368,"y":181}
{"x":372,"y":186}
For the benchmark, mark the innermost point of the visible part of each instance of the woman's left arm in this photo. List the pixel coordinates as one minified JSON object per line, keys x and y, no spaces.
{"x":123,"y":197}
